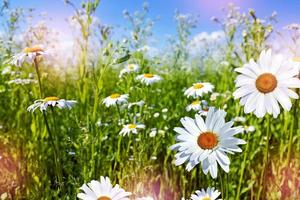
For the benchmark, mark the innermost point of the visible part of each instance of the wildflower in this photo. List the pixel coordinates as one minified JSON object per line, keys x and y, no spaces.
{"x":138,"y":103}
{"x":156,"y":115}
{"x":262,"y":84}
{"x":129,"y":69}
{"x":20,"y":81}
{"x":206,"y":142}
{"x":214,"y":96}
{"x":153,"y":132}
{"x":148,"y":79}
{"x":51,"y":101}
{"x":115,"y":99}
{"x":239,"y":119}
{"x":209,"y":194}
{"x":249,"y":129}
{"x":131,"y":128}
{"x":195,"y":105}
{"x":165,"y":110}
{"x":102,"y":190}
{"x":198,"y":89}
{"x":28,"y":55}
{"x":204,"y":109}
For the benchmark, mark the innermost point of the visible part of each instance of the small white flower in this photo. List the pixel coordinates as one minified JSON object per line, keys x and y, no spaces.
{"x":209,"y":194}
{"x":148,"y":79}
{"x":206,"y":142}
{"x":20,"y":81}
{"x":29,"y":55}
{"x":195,"y":106}
{"x":214,"y":96}
{"x":115,"y":99}
{"x":129,"y":69}
{"x":102,"y":190}
{"x":153,"y":132}
{"x":265,"y":83}
{"x":51,"y":101}
{"x":156,"y":115}
{"x":131,"y":128}
{"x":198,"y":89}
{"x":138,"y":103}
{"x":239,"y":119}
{"x":164,"y":110}
{"x":249,"y":129}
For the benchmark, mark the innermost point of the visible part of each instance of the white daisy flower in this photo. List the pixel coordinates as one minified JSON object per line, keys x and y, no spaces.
{"x":198,"y":89}
{"x":209,"y":194}
{"x":262,"y":84}
{"x":148,"y":79}
{"x":195,"y":106}
{"x":131,"y":128}
{"x":102,"y":190}
{"x":28,"y":55}
{"x":129,"y":69}
{"x":249,"y":129}
{"x":20,"y":81}
{"x":206,"y":142}
{"x":115,"y":99}
{"x":51,"y":101}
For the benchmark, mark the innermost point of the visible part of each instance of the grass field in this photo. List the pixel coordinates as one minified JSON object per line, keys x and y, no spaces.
{"x":49,"y":153}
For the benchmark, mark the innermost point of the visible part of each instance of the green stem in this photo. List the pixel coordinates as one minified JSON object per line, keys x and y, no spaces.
{"x":293,"y":130}
{"x":242,"y":171}
{"x":265,"y":162}
{"x":222,"y":186}
{"x":36,"y":66}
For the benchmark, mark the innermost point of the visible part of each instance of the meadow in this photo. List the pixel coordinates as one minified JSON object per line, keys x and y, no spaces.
{"x":112,"y":108}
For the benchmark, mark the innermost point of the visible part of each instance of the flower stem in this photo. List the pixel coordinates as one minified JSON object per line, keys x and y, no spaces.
{"x":265,"y":162}
{"x":36,"y":66}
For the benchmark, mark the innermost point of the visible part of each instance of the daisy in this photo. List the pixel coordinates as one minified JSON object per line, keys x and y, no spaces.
{"x":204,"y":110}
{"x":28,"y":55}
{"x":115,"y":99}
{"x":148,"y":79}
{"x":129,"y":69}
{"x":195,"y":106}
{"x":206,"y":142}
{"x":102,"y":190}
{"x":198,"y":89}
{"x":131,"y":128}
{"x":51,"y":101}
{"x":209,"y":194}
{"x":265,"y":83}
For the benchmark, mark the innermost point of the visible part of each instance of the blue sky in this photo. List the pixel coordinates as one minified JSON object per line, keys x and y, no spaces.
{"x":110,"y":11}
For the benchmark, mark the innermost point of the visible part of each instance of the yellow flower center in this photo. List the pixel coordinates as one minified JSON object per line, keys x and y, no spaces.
{"x":104,"y":198}
{"x":148,"y":75}
{"x":32,"y":49}
{"x":296,"y":59}
{"x":266,"y":83}
{"x":198,"y":86}
{"x":115,"y":96}
{"x":131,"y":126}
{"x":51,"y":99}
{"x":206,"y":198}
{"x":207,"y":140}
{"x":196,"y":102}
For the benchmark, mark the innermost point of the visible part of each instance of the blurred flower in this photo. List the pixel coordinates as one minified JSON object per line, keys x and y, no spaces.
{"x":195,"y":105}
{"x":129,"y":69}
{"x":20,"y":81}
{"x":145,"y":198}
{"x":198,"y":89}
{"x":156,"y":115}
{"x":102,"y":190}
{"x":131,"y":128}
{"x":206,"y":142}
{"x":263,"y":84}
{"x":153,"y":132}
{"x":164,"y":110}
{"x":239,"y":119}
{"x":148,"y":79}
{"x":209,"y":194}
{"x":29,"y":55}
{"x":51,"y":101}
{"x":138,"y":103}
{"x":249,"y":129}
{"x":214,"y":96}
{"x":115,"y":99}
